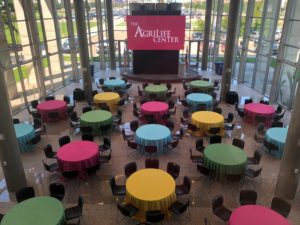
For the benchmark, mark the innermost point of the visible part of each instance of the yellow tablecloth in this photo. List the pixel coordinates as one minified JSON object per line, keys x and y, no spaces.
{"x":110,"y":98}
{"x":207,"y":119}
{"x":150,"y":189}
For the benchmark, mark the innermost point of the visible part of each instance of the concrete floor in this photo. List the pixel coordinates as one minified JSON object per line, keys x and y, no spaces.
{"x":100,"y":205}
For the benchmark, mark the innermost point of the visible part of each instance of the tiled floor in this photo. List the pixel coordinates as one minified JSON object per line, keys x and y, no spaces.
{"x":100,"y":206}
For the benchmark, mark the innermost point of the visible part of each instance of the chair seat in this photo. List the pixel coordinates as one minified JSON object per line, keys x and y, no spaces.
{"x":103,"y":148}
{"x":223,"y":213}
{"x":53,"y":167}
{"x":131,"y":209}
{"x":119,"y":190}
{"x":176,"y":208}
{"x":180,"y":190}
{"x":72,"y":213}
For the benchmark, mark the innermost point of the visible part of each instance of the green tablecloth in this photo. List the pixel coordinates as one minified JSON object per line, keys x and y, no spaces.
{"x":225,"y":159}
{"x":95,"y":119}
{"x":42,"y":210}
{"x":159,"y":90}
{"x":201,"y":85}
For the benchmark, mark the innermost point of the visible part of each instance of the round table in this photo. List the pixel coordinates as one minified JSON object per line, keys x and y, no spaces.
{"x":59,"y":106}
{"x":24,"y":133}
{"x":153,"y":134}
{"x":225,"y":159}
{"x":157,"y":109}
{"x":95,"y":119}
{"x":202,"y":85}
{"x":258,"y":215}
{"x":205,"y":120}
{"x":159,"y":90}
{"x":111,"y":84}
{"x":258,"y":109}
{"x":150,"y":189}
{"x":78,"y":156}
{"x":198,"y":98}
{"x":110,"y":98}
{"x":277,"y":136}
{"x":41,"y":210}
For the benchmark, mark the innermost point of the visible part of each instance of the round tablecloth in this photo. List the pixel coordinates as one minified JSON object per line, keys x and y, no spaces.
{"x":201,"y":85}
{"x":153,"y":134}
{"x":258,"y":109}
{"x":95,"y":119}
{"x":78,"y":156}
{"x":205,"y":120}
{"x":225,"y":159}
{"x":277,"y":136}
{"x":150,"y":189}
{"x":155,"y":108}
{"x":198,"y":98}
{"x":110,"y":98}
{"x":42,"y":210}
{"x":111,"y":84}
{"x":59,"y":106}
{"x":159,"y":90}
{"x":24,"y":133}
{"x":258,"y":215}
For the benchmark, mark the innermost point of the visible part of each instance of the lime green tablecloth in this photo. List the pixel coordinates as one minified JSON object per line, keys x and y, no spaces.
{"x":42,"y":210}
{"x":159,"y":90}
{"x":225,"y":159}
{"x":201,"y":84}
{"x":95,"y":119}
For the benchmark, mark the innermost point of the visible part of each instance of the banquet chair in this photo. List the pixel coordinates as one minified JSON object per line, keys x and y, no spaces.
{"x":252,"y":173}
{"x":279,"y":109}
{"x":75,"y":211}
{"x":104,"y":106}
{"x":247,"y":101}
{"x":215,"y":139}
{"x":279,"y":117}
{"x":152,"y":96}
{"x":24,"y":194}
{"x":74,"y":117}
{"x":105,"y":129}
{"x":216,"y":85}
{"x":260,"y":133}
{"x":229,"y":118}
{"x":94,"y":92}
{"x":57,"y":190}
{"x":86,"y":109}
{"x":201,"y":107}
{"x":34,"y":140}
{"x":214,"y":130}
{"x":93,"y":169}
{"x":133,"y":145}
{"x":281,"y":206}
{"x":178,"y":207}
{"x":154,"y":216}
{"x":173,"y":169}
{"x":130,"y":168}
{"x":169,"y":124}
{"x":127,"y":210}
{"x":118,"y":115}
{"x":49,"y":153}
{"x":191,"y":127}
{"x":178,"y":135}
{"x":34,"y":104}
{"x":185,"y":187}
{"x":255,"y":159}
{"x":217,"y":110}
{"x":73,"y":223}
{"x":205,"y":171}
{"x":67,"y":99}
{"x":127,"y":137}
{"x":195,"y":158}
{"x":219,"y":209}
{"x":277,"y":124}
{"x":117,"y":190}
{"x":112,"y":78}
{"x":54,"y":116}
{"x":248,"y":197}
{"x":53,"y":167}
{"x":70,"y":174}
{"x":106,"y":145}
{"x":64,"y":140}
{"x":49,"y":98}
{"x":87,"y":137}
{"x":16,"y":121}
{"x":134,"y":125}
{"x":238,"y":143}
{"x":260,"y":119}
{"x":86,"y":129}
{"x":229,"y":129}
{"x":172,"y":112}
{"x":171,"y":145}
{"x":150,"y":149}
{"x":1,"y":217}
{"x":151,"y":163}
{"x":116,"y":123}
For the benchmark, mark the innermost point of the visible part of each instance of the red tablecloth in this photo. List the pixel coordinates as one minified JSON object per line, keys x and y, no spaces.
{"x":256,"y":215}
{"x":258,"y":109}
{"x":59,"y":106}
{"x":78,"y":156}
{"x":155,"y":108}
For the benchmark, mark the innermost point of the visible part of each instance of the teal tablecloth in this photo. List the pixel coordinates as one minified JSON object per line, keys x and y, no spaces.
{"x":42,"y":210}
{"x":24,"y":133}
{"x":198,"y":98}
{"x":277,"y":136}
{"x":225,"y":159}
{"x":111,"y":84}
{"x":153,"y":134}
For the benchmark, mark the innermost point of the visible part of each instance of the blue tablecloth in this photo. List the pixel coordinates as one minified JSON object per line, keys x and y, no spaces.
{"x":24,"y":133}
{"x":199,"y":98}
{"x":277,"y":136}
{"x":153,"y":134}
{"x":111,"y":84}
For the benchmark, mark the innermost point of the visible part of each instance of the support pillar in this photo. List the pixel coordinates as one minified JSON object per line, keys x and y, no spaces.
{"x":288,"y":177}
{"x":205,"y":48}
{"x":79,"y":7}
{"x":233,"y":18}
{"x":9,"y":149}
{"x":111,"y":38}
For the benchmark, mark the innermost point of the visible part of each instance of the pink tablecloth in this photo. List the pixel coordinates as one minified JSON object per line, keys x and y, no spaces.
{"x":52,"y":106}
{"x":78,"y":156}
{"x":258,"y":109}
{"x":155,"y":108}
{"x":256,"y":215}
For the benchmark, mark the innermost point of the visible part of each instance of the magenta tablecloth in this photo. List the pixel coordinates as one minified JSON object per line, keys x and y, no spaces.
{"x":155,"y":108}
{"x":77,"y":156}
{"x":258,"y":109}
{"x":256,"y":215}
{"x":59,"y":106}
